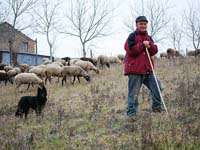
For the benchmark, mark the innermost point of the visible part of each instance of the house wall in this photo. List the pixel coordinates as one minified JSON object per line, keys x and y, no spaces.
{"x":5,"y":58}
{"x":19,"y":44}
{"x":22,"y":58}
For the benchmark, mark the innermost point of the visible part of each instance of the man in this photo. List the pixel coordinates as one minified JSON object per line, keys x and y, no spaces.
{"x":138,"y":69}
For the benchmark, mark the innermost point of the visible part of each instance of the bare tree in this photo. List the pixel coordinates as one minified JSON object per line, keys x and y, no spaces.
{"x":47,"y":22}
{"x":88,"y":20}
{"x":19,"y":9}
{"x":3,"y":13}
{"x":157,"y":14}
{"x":192,"y":25}
{"x":176,"y":34}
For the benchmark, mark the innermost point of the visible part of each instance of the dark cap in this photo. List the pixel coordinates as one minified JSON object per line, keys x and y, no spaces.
{"x":141,"y":18}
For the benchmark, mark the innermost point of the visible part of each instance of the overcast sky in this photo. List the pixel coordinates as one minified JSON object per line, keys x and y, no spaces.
{"x":70,"y":46}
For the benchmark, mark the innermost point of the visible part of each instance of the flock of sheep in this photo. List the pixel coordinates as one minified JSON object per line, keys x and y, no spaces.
{"x":172,"y":53}
{"x":64,"y":68}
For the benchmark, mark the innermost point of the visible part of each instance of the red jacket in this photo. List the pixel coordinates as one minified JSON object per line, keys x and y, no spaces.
{"x":136,"y":59}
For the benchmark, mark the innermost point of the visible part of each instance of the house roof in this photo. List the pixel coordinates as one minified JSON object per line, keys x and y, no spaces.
{"x":9,"y":25}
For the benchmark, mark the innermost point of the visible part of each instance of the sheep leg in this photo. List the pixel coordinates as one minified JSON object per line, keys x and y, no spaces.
{"x":73,"y":80}
{"x":108,"y":65}
{"x":28,"y":86}
{"x":5,"y":82}
{"x":47,"y":78}
{"x":50,"y":80}
{"x":64,"y":79}
{"x":18,"y":86}
{"x":11,"y":80}
{"x":78,"y":79}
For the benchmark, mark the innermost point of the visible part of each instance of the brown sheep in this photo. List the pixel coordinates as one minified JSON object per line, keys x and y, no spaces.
{"x":121,"y":57}
{"x":2,"y":65}
{"x":163,"y":55}
{"x":172,"y":53}
{"x":93,"y":61}
{"x":193,"y":52}
{"x":197,"y":52}
{"x":5,"y":77}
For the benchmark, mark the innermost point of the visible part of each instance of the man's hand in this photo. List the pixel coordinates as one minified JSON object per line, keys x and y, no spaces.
{"x":146,"y":44}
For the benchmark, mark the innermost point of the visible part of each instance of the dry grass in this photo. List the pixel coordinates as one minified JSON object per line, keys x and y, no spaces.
{"x":88,"y":116}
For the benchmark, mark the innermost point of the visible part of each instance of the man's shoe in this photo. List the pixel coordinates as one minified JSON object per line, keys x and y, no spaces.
{"x":131,"y":118}
{"x":158,"y":109}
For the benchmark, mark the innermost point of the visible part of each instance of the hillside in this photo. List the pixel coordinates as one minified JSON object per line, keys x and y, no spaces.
{"x":92,"y":115}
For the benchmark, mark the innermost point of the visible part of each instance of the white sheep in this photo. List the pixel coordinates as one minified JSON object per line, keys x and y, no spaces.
{"x":103,"y":60}
{"x":94,"y":59}
{"x":114,"y":60}
{"x":121,"y":57}
{"x":7,"y":68}
{"x":58,"y":63}
{"x":75,"y":71}
{"x":30,"y":67}
{"x":73,"y":61}
{"x":61,"y":61}
{"x":27,"y":78}
{"x":86,"y":65}
{"x":53,"y":70}
{"x":39,"y":71}
{"x":14,"y":71}
{"x":42,"y":66}
{"x":24,"y":67}
{"x":46,"y":61}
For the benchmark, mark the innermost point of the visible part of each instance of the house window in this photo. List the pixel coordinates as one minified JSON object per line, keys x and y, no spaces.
{"x":25,"y":47}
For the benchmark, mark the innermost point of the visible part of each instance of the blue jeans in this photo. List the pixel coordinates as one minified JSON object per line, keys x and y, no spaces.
{"x":135,"y":82}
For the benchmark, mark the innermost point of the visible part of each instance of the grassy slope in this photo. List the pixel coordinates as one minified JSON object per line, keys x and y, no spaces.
{"x":88,"y":116}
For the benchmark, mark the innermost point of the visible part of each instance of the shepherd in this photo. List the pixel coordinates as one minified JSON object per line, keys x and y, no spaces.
{"x":137,"y":67}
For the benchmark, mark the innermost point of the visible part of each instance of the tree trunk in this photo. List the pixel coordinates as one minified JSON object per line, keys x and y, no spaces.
{"x":91,"y":54}
{"x":51,"y":54}
{"x":36,"y":53}
{"x":50,"y":45}
{"x":11,"y":52}
{"x":84,"y":51}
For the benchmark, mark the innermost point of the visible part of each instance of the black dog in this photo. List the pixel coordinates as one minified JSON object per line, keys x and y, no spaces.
{"x":35,"y":102}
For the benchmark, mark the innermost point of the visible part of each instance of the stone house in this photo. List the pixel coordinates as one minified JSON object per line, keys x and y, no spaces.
{"x":21,"y":42}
